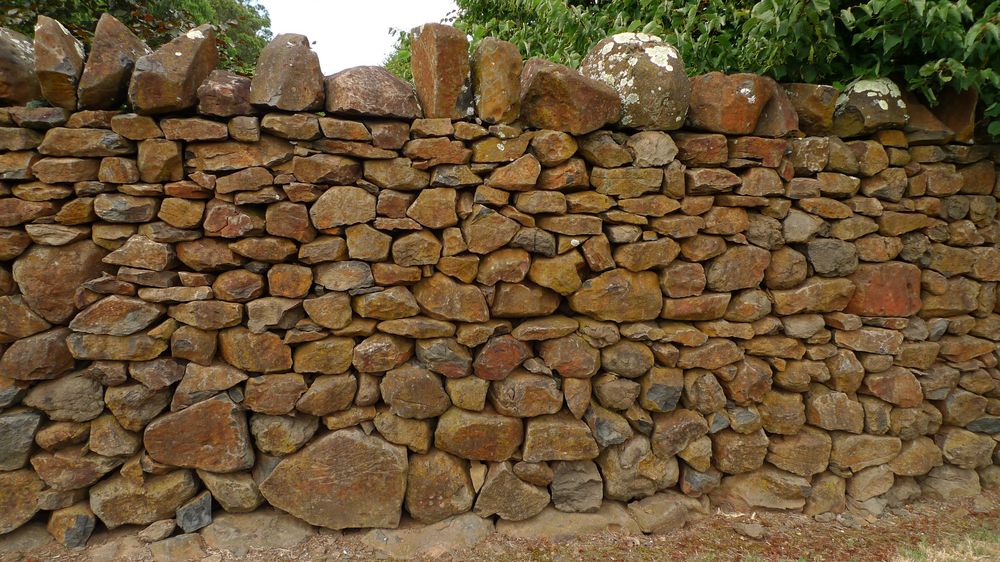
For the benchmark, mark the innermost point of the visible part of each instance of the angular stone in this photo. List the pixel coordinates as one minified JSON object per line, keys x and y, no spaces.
{"x":164,"y":81}
{"x":58,"y":62}
{"x":121,"y":501}
{"x":288,"y":76}
{"x":557,"y":97}
{"x":439,"y":60}
{"x":19,"y":84}
{"x":768,"y":488}
{"x":442,"y":298}
{"x":282,"y":435}
{"x":343,"y":479}
{"x":856,"y":452}
{"x":37,"y":357}
{"x":225,"y":94}
{"x":438,"y":486}
{"x":258,"y":353}
{"x":414,"y":392}
{"x":619,"y":296}
{"x":210,"y":435}
{"x":648,"y":75}
{"x":496,"y":76}
{"x":114,"y":50}
{"x":19,"y":491}
{"x":117,"y":316}
{"x":72,"y":525}
{"x":484,"y":436}
{"x":814,"y":295}
{"x":17,"y":434}
{"x":739,"y":268}
{"x":559,"y":436}
{"x":729,"y":104}
{"x":236,"y":492}
{"x":370,"y":91}
{"x":227,"y":156}
{"x":509,"y":497}
{"x":805,"y":453}
{"x":342,"y":205}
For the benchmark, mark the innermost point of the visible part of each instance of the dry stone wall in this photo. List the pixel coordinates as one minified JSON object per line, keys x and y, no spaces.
{"x":514,"y":289}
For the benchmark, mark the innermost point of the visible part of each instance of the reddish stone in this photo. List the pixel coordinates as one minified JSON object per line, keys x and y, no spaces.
{"x":728,"y":104}
{"x":500,"y":356}
{"x":885,"y":289}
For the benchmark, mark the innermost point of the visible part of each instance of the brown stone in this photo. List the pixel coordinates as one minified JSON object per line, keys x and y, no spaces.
{"x":288,"y":76}
{"x":496,"y":76}
{"x":442,"y":298}
{"x":648,"y":75}
{"x":484,"y":436}
{"x":121,"y":501}
{"x":728,"y":104}
{"x":210,"y":435}
{"x":557,"y":97}
{"x":225,"y":94}
{"x":370,"y":91}
{"x":58,"y":62}
{"x":19,"y":84}
{"x":439,"y":60}
{"x":259,"y":353}
{"x":163,"y":81}
{"x":619,"y":296}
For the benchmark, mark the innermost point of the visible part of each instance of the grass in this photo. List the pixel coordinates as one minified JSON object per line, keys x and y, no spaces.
{"x":979,"y":544}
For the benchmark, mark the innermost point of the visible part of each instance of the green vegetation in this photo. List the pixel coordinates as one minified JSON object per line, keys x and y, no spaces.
{"x":244,"y":26}
{"x":926,"y":46}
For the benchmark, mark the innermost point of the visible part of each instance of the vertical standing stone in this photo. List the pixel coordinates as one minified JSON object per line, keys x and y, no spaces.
{"x":58,"y":62}
{"x":113,"y":53}
{"x":496,"y":81}
{"x":288,"y":75}
{"x":167,"y":79}
{"x":18,"y":83}
{"x":439,"y":59}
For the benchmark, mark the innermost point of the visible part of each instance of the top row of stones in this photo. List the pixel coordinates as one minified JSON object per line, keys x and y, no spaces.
{"x":631,"y":80}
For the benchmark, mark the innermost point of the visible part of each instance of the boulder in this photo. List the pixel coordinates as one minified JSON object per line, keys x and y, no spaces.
{"x":18,"y":83}
{"x":343,"y":479}
{"x":50,"y":296}
{"x":867,"y":105}
{"x":370,"y":91}
{"x":210,"y":435}
{"x":728,"y":103}
{"x":557,"y":97}
{"x":288,"y":76}
{"x":113,"y":53}
{"x":58,"y":62}
{"x":164,"y":82}
{"x":648,"y":75}
{"x":439,"y":60}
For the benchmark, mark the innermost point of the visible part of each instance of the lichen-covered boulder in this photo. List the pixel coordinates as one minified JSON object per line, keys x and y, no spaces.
{"x":866,"y":106}
{"x":648,"y":75}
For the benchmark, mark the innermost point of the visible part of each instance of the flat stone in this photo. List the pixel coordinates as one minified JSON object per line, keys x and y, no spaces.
{"x":264,"y":529}
{"x":412,"y":540}
{"x":558,"y":526}
{"x":218,"y":442}
{"x":326,"y":485}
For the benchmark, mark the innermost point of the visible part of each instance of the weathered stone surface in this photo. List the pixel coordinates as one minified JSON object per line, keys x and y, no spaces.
{"x":414,"y":392}
{"x":19,"y":84}
{"x":19,"y":498}
{"x":887,"y":289}
{"x":117,"y":316}
{"x":768,"y":488}
{"x":38,"y":357}
{"x":728,"y":104}
{"x":509,"y":497}
{"x":50,"y":297}
{"x":439,"y":60}
{"x":58,"y":62}
{"x":619,"y":296}
{"x":113,"y":53}
{"x":164,"y":81}
{"x":868,"y":105}
{"x":484,"y":436}
{"x":496,"y":76}
{"x":210,"y":435}
{"x":343,"y":479}
{"x":259,"y":353}
{"x":442,"y":298}
{"x":438,"y":486}
{"x":288,"y":76}
{"x":17,"y":434}
{"x":370,"y":91}
{"x":226,"y":94}
{"x":121,"y":501}
{"x":648,"y":75}
{"x":557,"y":97}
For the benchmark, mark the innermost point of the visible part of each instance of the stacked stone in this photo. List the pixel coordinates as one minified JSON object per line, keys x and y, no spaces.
{"x":515,"y":289}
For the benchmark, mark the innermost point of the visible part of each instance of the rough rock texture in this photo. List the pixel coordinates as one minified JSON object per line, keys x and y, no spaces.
{"x":534,"y":312}
{"x":648,"y":75}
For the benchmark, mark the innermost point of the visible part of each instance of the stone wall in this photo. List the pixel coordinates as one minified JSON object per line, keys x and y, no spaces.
{"x":512,"y":289}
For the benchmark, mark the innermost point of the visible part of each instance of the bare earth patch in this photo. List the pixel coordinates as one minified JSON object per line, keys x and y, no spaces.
{"x":923,"y":532}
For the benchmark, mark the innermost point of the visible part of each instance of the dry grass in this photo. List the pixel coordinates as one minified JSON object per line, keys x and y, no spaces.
{"x":980,"y":544}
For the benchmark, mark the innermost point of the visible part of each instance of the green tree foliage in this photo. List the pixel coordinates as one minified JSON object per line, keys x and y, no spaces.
{"x":924,"y":45}
{"x":244,"y":26}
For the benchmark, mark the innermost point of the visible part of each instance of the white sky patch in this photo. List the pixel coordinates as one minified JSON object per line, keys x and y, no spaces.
{"x":346,"y":33}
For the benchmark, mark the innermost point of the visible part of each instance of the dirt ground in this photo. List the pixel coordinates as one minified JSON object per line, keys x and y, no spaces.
{"x":922,"y":532}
